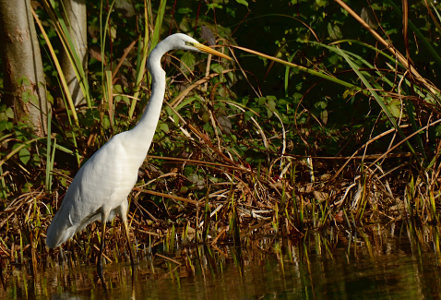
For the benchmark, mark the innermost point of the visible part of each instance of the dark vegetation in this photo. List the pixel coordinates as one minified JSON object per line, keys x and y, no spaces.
{"x":243,"y":149}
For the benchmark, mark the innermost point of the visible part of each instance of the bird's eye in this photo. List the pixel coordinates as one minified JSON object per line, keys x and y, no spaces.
{"x":189,"y":43}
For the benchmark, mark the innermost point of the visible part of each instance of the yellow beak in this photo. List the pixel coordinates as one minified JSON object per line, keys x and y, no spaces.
{"x":207,"y":49}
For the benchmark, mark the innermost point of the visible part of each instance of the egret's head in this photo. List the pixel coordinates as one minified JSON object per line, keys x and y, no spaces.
{"x":185,"y":42}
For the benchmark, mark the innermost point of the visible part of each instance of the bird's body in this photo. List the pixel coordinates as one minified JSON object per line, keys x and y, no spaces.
{"x":100,"y":189}
{"x":110,"y":179}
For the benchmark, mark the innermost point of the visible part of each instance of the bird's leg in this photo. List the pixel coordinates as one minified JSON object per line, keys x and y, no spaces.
{"x":123,"y":212}
{"x":126,"y":232}
{"x":99,"y":266}
{"x":132,"y":261}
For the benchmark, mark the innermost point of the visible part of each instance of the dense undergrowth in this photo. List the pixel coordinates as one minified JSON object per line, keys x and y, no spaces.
{"x":335,"y":130}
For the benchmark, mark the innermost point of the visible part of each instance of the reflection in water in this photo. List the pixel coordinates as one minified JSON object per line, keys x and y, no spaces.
{"x":263,"y":269}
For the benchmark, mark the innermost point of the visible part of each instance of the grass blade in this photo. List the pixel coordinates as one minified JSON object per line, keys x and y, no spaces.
{"x":301,"y":68}
{"x":59,"y":70}
{"x":140,"y":70}
{"x":379,"y":99}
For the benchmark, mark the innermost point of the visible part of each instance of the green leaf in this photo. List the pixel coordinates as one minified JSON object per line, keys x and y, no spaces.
{"x":217,"y":68}
{"x":9,"y":113}
{"x":188,"y":61}
{"x":164,"y":127}
{"x":106,"y":122}
{"x":5,"y":125}
{"x":334,"y":32}
{"x":243,"y":2}
{"x":184,"y":10}
{"x":24,"y":155}
{"x":394,"y":106}
{"x":321,"y":3}
{"x":271,"y":105}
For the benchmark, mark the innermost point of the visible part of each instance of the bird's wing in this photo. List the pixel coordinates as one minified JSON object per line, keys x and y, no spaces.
{"x":101,"y":185}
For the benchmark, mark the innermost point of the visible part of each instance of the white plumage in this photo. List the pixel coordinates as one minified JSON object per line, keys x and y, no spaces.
{"x":100,"y":189}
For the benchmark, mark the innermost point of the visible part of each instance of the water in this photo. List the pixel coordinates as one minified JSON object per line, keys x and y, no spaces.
{"x":266,"y":270}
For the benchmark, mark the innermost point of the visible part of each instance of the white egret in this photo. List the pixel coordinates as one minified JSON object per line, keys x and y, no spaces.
{"x":100,"y":188}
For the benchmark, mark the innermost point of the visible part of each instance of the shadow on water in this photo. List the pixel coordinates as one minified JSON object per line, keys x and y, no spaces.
{"x":380,"y":263}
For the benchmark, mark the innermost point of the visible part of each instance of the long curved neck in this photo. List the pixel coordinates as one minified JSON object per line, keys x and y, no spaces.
{"x":145,"y":129}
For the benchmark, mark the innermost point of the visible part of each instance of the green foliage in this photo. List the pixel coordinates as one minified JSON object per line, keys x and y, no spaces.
{"x":343,"y":95}
{"x":314,"y":114}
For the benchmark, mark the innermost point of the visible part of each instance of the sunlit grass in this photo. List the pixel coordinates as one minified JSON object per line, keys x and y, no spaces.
{"x":218,"y":173}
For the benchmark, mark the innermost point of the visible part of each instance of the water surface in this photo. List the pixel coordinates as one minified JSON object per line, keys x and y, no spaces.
{"x":281,"y":271}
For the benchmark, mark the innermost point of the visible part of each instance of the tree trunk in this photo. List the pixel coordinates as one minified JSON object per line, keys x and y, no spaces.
{"x":75,"y":15}
{"x":25,"y":87}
